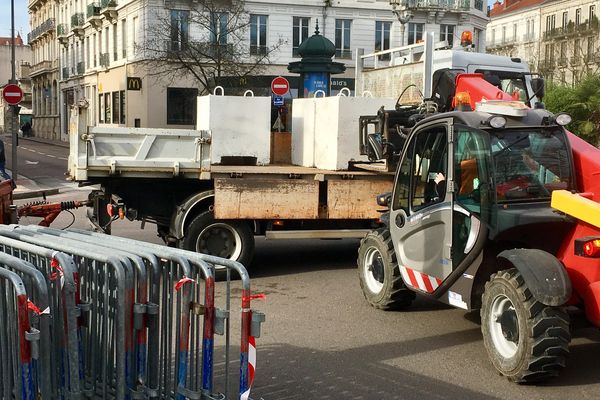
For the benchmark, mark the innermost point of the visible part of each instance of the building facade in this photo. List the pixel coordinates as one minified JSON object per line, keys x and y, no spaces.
{"x":101,"y":54}
{"x":558,"y":38}
{"x":44,"y":69}
{"x":571,"y":34}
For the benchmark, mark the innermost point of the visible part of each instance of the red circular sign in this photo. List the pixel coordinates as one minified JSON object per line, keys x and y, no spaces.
{"x":280,"y":86}
{"x":12,"y":94}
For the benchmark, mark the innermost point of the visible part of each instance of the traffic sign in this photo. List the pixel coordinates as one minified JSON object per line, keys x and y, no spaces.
{"x":280,"y":86}
{"x":12,"y":94}
{"x":278,"y":101}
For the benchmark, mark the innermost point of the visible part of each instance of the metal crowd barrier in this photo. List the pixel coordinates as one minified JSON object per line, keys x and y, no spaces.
{"x":121,"y":319}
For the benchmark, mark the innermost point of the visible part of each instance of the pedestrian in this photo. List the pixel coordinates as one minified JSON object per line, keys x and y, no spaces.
{"x":26,"y":128}
{"x":3,"y":172}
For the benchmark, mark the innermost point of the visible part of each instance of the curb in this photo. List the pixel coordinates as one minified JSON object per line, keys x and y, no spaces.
{"x":34,"y":193}
{"x":45,"y":141}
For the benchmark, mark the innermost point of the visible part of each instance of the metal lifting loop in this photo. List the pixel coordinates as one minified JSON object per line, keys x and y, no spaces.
{"x":222,"y":91}
{"x":345,"y":92}
{"x":366,"y":93}
{"x":317,"y":93}
{"x":248,"y":92}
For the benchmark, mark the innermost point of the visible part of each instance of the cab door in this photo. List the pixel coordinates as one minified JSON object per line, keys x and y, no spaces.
{"x":421,"y":213}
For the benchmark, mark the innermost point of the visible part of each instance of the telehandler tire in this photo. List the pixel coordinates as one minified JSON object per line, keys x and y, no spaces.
{"x":526,"y":340}
{"x":380,"y":278}
{"x":233,"y":240}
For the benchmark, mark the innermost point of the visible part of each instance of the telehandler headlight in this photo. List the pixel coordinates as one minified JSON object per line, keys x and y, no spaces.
{"x":563,"y":119}
{"x":497,"y":121}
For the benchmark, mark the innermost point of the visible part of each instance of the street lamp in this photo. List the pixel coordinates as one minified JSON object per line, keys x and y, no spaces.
{"x":399,"y":8}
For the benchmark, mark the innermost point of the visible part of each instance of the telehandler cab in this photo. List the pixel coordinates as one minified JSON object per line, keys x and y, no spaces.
{"x":469,"y":223}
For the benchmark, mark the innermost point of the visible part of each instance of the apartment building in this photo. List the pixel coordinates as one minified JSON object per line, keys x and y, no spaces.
{"x":44,"y":69}
{"x":558,"y":38}
{"x":102,"y":57}
{"x":569,"y":45}
{"x":515,"y":30}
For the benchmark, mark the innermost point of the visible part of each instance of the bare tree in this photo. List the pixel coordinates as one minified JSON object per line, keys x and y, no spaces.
{"x":214,"y":39}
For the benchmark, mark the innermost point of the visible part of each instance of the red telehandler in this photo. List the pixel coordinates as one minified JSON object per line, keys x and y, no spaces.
{"x":470,"y":221}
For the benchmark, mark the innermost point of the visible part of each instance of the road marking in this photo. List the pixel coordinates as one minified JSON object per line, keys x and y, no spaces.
{"x":43,"y":154}
{"x":32,"y":162}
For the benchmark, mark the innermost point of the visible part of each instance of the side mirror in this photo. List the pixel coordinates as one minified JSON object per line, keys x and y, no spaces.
{"x":539,"y":87}
{"x":384,"y":199}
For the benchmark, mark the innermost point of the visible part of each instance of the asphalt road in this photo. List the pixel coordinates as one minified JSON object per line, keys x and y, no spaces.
{"x":322,"y":340}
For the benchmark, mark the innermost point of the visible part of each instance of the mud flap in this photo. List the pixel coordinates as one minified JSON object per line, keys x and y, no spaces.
{"x":543,"y":273}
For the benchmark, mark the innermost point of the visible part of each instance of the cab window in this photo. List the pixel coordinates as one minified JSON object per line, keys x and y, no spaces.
{"x":421,"y":179}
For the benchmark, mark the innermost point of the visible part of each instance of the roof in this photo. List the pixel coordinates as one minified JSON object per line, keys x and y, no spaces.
{"x":510,"y":6}
{"x":5,"y":40}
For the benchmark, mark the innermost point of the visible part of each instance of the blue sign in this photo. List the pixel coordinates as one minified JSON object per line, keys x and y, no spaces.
{"x":278,"y":101}
{"x":314,"y":81}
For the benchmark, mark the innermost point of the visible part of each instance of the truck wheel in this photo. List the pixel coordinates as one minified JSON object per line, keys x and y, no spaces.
{"x":380,"y":278}
{"x":233,"y":240}
{"x":526,"y":340}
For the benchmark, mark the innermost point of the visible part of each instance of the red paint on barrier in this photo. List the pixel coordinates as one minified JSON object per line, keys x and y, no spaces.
{"x":23,"y":317}
{"x":33,"y":307}
{"x":182,"y":282}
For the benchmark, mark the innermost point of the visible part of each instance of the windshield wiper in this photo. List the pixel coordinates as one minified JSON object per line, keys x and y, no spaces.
{"x":510,"y":145}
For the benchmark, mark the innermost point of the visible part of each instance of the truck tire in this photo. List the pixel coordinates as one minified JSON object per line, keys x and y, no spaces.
{"x":233,"y":240}
{"x":379,"y":275}
{"x":526,"y":340}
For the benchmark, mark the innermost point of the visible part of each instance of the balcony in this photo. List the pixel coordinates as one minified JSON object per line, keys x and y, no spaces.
{"x":104,"y":60}
{"x":41,"y":68}
{"x":65,"y":73}
{"x":447,"y":5}
{"x":108,"y":8}
{"x":528,"y":38}
{"x":77,"y":21}
{"x":94,"y":16}
{"x":62,"y":31}
{"x":562,"y":61}
{"x":479,"y":5}
{"x":42,"y":30}
{"x":571,"y":29}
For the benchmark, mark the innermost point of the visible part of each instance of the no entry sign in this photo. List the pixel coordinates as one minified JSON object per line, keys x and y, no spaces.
{"x":12,"y":94}
{"x":280,"y":86}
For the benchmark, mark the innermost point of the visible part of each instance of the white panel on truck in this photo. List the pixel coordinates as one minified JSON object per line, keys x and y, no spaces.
{"x":303,"y":132}
{"x":240,"y":126}
{"x":332,"y":140}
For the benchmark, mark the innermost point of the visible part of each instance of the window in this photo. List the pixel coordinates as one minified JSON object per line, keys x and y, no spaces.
{"x":514,"y":32}
{"x":415,"y":33}
{"x":421,"y":179}
{"x":300,"y":33}
{"x":107,"y":43}
{"x":576,"y":50}
{"x":504,"y":34}
{"x":382,"y":38}
{"x":181,"y":106}
{"x":258,"y":34}
{"x":122,"y":107}
{"x":179,"y":30}
{"x":107,"y":109}
{"x":94,"y":51}
{"x":115,"y":53}
{"x":590,"y":47}
{"x":471,"y":158}
{"x":551,"y":21}
{"x":101,"y":108}
{"x":493,"y":36}
{"x":124,"y":37}
{"x":563,"y":52}
{"x":218,"y":28}
{"x":116,"y":102}
{"x":578,"y":16}
{"x":87,"y":51}
{"x":530,"y":163}
{"x":592,"y":15}
{"x":134,"y":26}
{"x":447,"y":34}
{"x":565,"y":19}
{"x":342,"y":38}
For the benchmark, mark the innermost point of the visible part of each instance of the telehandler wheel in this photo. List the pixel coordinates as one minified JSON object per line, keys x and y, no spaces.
{"x":526,"y":340}
{"x":380,"y":278}
{"x":233,"y":240}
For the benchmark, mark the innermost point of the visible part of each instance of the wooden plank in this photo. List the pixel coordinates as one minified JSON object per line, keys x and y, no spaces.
{"x":266,"y":199}
{"x":355,"y":199}
{"x":286,"y":170}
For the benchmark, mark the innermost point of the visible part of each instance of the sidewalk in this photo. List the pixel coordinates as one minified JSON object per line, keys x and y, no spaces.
{"x":38,"y":140}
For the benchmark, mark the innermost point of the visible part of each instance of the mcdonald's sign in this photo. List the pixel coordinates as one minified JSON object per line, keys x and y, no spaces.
{"x":134,"y":83}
